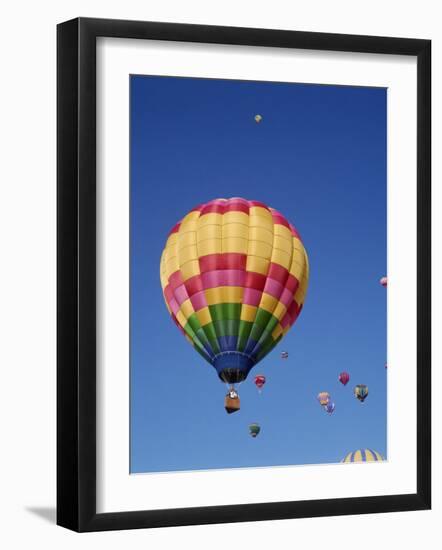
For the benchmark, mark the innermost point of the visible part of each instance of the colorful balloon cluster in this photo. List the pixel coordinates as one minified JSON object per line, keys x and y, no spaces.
{"x":324,"y":398}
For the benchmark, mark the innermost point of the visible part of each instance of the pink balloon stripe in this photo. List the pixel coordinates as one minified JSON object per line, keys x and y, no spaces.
{"x":286,"y":297}
{"x":173,"y":304}
{"x":223,"y":277}
{"x":273,"y":288}
{"x":180,"y":294}
{"x":198,"y":300}
{"x":251,"y":297}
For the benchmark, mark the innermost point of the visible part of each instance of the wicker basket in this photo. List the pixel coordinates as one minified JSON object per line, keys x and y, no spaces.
{"x":231,"y":404}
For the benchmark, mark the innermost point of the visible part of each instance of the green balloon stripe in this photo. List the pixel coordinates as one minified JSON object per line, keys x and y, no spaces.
{"x":245,"y":328}
{"x":209,"y":331}
{"x":262,"y":318}
{"x":221,"y":312}
{"x":268,"y":348}
{"x":194,"y":323}
{"x":200,"y":349}
{"x":226,"y":322}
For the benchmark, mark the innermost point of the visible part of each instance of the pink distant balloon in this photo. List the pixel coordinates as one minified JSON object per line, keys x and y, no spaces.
{"x":383,"y":281}
{"x":344,"y":377}
{"x":260,"y":380}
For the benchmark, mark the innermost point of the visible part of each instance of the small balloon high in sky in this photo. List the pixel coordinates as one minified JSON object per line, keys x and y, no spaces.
{"x":323,"y":398}
{"x":260,"y":380}
{"x":361,"y":392}
{"x":254,"y":429}
{"x":344,"y":377}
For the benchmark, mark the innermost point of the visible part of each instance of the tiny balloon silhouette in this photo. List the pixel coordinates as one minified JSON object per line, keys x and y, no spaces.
{"x":254,"y":429}
{"x":383,"y":281}
{"x":258,"y":119}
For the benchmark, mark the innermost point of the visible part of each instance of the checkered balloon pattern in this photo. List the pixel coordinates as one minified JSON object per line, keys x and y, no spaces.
{"x":234,"y":275}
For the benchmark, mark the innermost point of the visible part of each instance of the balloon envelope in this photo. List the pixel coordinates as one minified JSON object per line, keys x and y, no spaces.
{"x":258,"y":118}
{"x":344,"y":377}
{"x":284,"y":354}
{"x":254,"y":429}
{"x":323,"y":398}
{"x":330,"y":407}
{"x":361,"y":392}
{"x":363,"y":455}
{"x":260,"y":380}
{"x":234,"y":274}
{"x":383,"y":281}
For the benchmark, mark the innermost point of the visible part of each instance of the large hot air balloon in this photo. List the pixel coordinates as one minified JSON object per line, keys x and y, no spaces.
{"x":260,"y":380}
{"x":323,"y":398}
{"x":363,"y":455}
{"x":383,"y":281}
{"x":258,"y":118}
{"x":329,"y":407}
{"x":361,"y":392}
{"x":254,"y":429}
{"x":234,"y":274}
{"x":344,"y":377}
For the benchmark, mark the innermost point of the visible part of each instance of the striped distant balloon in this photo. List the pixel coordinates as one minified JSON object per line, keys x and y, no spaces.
{"x":234,"y":274}
{"x":363,"y":455}
{"x":361,"y":392}
{"x":284,"y":354}
{"x":323,"y":398}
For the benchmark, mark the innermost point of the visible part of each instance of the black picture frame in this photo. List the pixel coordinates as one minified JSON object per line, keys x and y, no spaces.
{"x":76,"y":274}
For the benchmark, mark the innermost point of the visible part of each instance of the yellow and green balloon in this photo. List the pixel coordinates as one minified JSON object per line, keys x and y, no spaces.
{"x":234,"y":274}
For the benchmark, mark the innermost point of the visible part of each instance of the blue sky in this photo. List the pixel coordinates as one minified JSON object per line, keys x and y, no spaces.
{"x":318,"y":156}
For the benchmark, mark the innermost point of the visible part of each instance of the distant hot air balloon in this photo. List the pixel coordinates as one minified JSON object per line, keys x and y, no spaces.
{"x":363,"y":455}
{"x":383,"y":281}
{"x":344,"y":377}
{"x":329,"y":407}
{"x":361,"y":392}
{"x":385,"y":365}
{"x":284,"y":354}
{"x":258,"y":118}
{"x":254,"y":429}
{"x":323,"y":398}
{"x":234,"y":275}
{"x":260,"y":380}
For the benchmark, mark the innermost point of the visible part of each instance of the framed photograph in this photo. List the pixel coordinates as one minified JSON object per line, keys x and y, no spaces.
{"x":243,"y":274}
